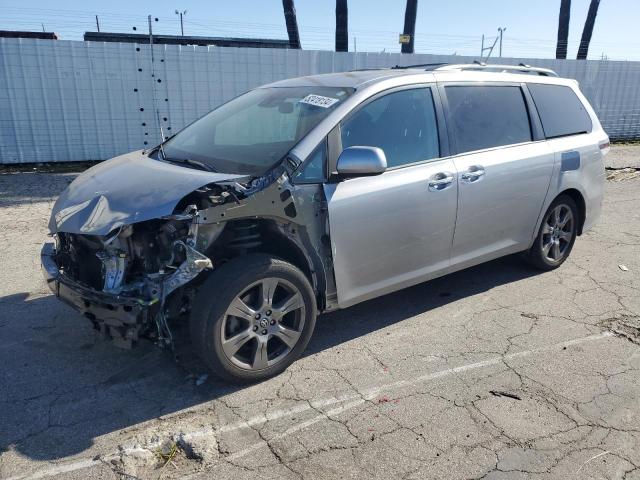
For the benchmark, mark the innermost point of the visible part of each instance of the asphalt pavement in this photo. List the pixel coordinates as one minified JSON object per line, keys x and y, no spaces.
{"x":495,"y":372}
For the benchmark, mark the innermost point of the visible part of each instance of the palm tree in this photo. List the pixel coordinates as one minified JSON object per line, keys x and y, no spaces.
{"x":583,"y":50}
{"x":410,"y":24}
{"x":292,"y":23}
{"x":342,"y":26}
{"x":563,"y":29}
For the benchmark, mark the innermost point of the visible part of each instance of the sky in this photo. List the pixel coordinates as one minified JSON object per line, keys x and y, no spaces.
{"x":442,"y":27}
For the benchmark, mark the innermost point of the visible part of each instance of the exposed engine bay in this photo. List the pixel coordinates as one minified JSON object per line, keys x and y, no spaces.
{"x":141,"y":277}
{"x":145,"y":262}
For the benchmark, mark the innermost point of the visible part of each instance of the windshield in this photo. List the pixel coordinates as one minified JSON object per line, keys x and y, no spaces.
{"x":254,"y":131}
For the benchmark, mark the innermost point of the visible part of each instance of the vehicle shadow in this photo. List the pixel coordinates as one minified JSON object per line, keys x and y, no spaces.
{"x":61,"y":386}
{"x":344,"y":325}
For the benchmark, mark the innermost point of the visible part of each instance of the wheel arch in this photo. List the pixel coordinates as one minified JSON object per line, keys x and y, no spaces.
{"x":284,"y":240}
{"x":578,"y":198}
{"x":211,"y":308}
{"x":576,"y":195}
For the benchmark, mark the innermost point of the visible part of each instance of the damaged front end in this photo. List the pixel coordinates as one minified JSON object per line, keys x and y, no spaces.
{"x":124,"y":282}
{"x":132,"y":238}
{"x":128,"y":241}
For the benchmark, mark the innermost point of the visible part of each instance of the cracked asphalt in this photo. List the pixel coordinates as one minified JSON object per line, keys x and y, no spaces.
{"x":496,"y":372}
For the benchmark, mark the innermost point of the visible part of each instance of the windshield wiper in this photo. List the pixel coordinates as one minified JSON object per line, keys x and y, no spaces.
{"x":160,"y":147}
{"x":188,"y":161}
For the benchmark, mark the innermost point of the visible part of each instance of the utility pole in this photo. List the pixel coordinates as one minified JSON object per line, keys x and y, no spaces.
{"x":97,"y":23}
{"x":184,"y":12}
{"x":409,"y":29}
{"x":501,"y":30}
{"x":355,"y":51}
{"x":42,"y":26}
{"x":484,"y":49}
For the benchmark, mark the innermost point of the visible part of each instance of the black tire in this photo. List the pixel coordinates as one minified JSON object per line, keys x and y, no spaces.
{"x":210,"y":318}
{"x":538,"y":255}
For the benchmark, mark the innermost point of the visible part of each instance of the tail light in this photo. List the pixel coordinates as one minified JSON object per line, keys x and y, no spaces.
{"x":605,"y":147}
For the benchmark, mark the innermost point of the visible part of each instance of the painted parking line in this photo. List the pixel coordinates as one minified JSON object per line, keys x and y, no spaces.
{"x":349,"y":401}
{"x":372,"y":393}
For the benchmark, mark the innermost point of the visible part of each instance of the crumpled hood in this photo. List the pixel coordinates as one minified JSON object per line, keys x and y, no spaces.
{"x":124,"y":190}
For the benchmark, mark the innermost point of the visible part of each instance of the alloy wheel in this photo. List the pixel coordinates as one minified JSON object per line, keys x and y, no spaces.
{"x":263,"y":324}
{"x":557,"y":233}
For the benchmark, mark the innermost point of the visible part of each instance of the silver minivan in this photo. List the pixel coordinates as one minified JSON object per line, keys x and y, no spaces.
{"x":317,"y":193}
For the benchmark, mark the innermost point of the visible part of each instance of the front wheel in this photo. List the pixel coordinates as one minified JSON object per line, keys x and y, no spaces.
{"x":556,"y":236}
{"x":253,"y":317}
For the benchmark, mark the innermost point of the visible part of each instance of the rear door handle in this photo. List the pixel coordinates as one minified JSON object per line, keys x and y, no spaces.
{"x":473,"y":173}
{"x":440,"y":181}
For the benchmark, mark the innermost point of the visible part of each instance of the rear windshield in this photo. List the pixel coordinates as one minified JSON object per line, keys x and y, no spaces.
{"x":561,"y":111}
{"x":253,"y":132}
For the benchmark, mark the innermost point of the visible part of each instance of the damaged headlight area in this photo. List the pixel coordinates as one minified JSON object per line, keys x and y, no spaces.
{"x":130,"y":282}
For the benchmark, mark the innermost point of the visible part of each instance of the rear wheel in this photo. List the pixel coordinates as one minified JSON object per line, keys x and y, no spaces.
{"x":556,"y":236}
{"x":253,"y":317}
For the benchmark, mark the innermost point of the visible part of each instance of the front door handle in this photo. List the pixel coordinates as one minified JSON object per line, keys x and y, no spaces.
{"x":440,"y":181}
{"x":472,"y":174}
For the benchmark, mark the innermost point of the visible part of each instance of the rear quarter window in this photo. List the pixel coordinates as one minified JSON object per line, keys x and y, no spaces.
{"x":561,"y":111}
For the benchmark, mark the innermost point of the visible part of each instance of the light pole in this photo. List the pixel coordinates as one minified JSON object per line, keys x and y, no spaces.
{"x":501,"y":30}
{"x":184,"y":12}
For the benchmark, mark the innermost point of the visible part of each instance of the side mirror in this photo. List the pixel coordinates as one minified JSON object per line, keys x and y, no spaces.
{"x":361,"y":161}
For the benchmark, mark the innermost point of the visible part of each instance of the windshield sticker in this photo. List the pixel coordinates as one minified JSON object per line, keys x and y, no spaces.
{"x":319,"y":101}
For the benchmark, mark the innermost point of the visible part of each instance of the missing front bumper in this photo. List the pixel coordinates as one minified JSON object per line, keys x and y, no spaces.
{"x":121,"y":318}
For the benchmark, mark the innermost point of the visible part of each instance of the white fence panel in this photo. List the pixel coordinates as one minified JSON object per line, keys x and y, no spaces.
{"x":69,"y":101}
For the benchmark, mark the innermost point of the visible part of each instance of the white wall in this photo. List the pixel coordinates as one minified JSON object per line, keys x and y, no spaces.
{"x":69,"y":101}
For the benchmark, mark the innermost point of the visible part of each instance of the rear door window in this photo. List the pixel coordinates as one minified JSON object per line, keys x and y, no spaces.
{"x":486,"y":116}
{"x":561,"y":111}
{"x":402,"y":123}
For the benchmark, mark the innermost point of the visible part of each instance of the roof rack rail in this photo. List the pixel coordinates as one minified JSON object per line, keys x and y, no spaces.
{"x":426,"y":66}
{"x":483,"y":67}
